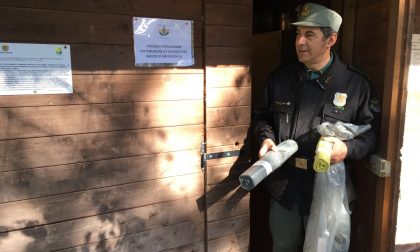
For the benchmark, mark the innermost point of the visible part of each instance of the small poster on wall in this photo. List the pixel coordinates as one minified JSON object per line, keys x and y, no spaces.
{"x":35,"y":69}
{"x":163,"y":42}
{"x":414,"y":68}
{"x":415,"y":50}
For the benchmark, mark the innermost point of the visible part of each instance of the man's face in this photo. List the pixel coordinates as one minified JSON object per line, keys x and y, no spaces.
{"x":311,"y":46}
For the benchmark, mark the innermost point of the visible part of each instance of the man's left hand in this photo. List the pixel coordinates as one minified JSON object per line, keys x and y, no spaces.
{"x":339,"y":149}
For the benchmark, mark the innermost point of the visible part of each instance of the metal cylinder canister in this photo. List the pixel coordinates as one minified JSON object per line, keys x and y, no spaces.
{"x":267,"y":164}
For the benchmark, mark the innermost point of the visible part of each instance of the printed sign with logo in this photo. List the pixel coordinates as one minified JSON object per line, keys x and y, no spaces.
{"x":163,"y":42}
{"x":35,"y":69}
{"x":414,"y":68}
{"x":415,"y":50}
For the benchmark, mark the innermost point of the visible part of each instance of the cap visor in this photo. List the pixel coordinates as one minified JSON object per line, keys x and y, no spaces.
{"x":308,"y":23}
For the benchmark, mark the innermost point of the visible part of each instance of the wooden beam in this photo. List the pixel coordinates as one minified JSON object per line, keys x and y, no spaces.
{"x":348,"y":30}
{"x":391,"y":131}
{"x":405,"y":62}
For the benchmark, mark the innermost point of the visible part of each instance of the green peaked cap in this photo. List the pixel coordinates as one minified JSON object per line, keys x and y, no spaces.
{"x":317,"y":15}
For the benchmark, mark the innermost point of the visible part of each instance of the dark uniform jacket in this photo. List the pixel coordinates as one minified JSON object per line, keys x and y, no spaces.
{"x":292,"y":106}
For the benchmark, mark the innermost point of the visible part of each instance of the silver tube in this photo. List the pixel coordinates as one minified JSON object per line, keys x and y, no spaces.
{"x":267,"y":164}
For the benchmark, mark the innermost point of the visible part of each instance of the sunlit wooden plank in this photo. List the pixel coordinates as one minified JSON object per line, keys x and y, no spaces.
{"x":63,"y":207}
{"x":48,"y":151}
{"x":231,"y":135}
{"x":228,"y":116}
{"x":67,"y":235}
{"x":228,"y":76}
{"x":228,"y":97}
{"x":53,"y":180}
{"x":88,"y":89}
{"x":25,"y":122}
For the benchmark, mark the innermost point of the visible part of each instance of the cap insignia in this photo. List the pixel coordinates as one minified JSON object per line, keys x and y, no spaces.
{"x":305,"y":10}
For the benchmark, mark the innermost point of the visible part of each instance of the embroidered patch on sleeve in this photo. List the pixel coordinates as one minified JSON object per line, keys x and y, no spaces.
{"x":375,"y":105}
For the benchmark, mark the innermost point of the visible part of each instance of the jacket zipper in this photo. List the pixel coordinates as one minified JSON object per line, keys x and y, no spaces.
{"x":296,"y":111}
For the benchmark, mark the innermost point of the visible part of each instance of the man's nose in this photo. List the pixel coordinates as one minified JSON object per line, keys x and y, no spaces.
{"x":300,"y":40}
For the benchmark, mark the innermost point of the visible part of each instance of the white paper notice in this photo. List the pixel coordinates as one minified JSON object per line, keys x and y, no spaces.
{"x":414,"y":69}
{"x":35,"y":69}
{"x":163,"y":42}
{"x":415,"y":50}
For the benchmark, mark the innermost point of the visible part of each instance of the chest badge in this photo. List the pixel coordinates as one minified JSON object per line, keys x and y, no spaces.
{"x":339,"y":101}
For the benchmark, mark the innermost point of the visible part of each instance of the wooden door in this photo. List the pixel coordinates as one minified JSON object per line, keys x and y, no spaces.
{"x":115,"y":166}
{"x":380,"y":48}
{"x":228,"y":31}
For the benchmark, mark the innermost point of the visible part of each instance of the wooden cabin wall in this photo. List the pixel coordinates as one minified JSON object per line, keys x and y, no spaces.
{"x":228,"y":34}
{"x":115,"y":166}
{"x":370,"y":40}
{"x":369,"y":53}
{"x":417,"y":18}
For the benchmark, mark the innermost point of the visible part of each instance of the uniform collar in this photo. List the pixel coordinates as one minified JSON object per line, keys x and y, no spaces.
{"x":315,"y":74}
{"x":328,"y":74}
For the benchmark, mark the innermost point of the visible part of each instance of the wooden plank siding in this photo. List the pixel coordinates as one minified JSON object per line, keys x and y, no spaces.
{"x":57,"y":150}
{"x":18,"y":185}
{"x":370,"y":54}
{"x":416,"y":28}
{"x":184,"y":9}
{"x":228,"y":45}
{"x":115,"y":166}
{"x":27,"y":122}
{"x":370,"y":41}
{"x":161,"y":239}
{"x":237,"y":242}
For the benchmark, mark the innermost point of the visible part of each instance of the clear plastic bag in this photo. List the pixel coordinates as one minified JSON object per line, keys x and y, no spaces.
{"x":328,"y":228}
{"x":343,"y":131}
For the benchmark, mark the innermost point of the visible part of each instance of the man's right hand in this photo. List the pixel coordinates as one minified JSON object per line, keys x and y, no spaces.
{"x":266,"y":146}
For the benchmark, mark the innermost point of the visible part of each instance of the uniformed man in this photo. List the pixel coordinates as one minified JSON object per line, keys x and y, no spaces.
{"x":298,"y":97}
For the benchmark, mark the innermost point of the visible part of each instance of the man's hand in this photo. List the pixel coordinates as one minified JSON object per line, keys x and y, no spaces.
{"x":339,"y":149}
{"x":266,"y":146}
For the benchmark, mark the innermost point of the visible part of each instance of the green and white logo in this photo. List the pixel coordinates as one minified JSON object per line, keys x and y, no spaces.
{"x":163,"y":31}
{"x":58,"y":50}
{"x":5,"y":47}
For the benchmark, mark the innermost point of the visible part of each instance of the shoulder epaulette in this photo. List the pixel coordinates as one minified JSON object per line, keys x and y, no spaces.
{"x":283,"y":67}
{"x":359,"y":71}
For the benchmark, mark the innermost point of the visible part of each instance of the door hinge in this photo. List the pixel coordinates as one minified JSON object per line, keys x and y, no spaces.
{"x":203,"y":156}
{"x":224,"y":154}
{"x":380,"y":166}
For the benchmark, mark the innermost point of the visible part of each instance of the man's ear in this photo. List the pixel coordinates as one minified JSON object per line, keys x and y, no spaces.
{"x":332,"y":40}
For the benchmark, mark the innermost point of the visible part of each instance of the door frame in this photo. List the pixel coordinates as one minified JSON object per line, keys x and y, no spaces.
{"x":401,"y":20}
